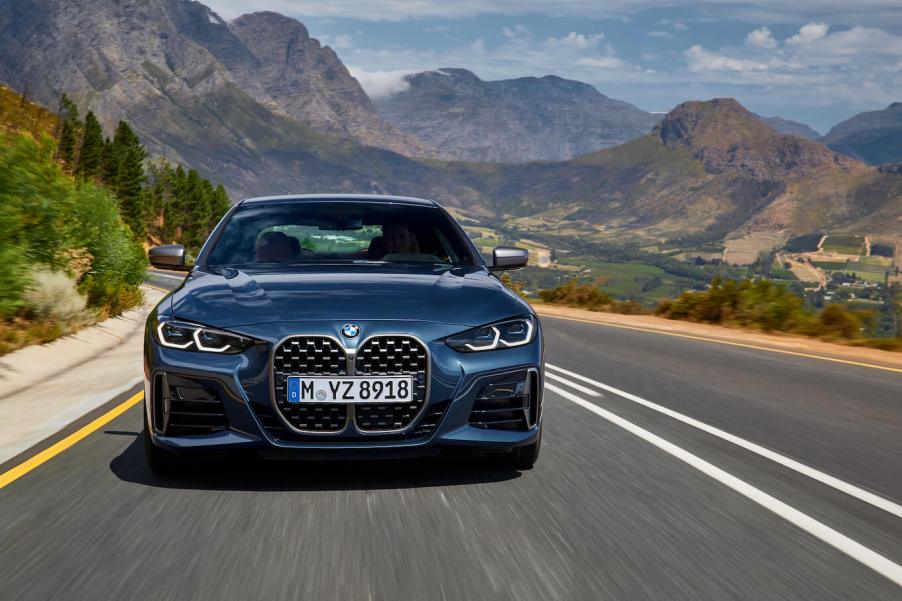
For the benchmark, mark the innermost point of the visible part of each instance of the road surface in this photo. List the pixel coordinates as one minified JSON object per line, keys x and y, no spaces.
{"x":671,"y":469}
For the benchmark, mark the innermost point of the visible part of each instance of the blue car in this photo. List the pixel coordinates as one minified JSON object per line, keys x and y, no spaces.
{"x":327,"y":326}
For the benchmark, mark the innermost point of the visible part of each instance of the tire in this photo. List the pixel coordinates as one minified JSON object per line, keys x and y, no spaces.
{"x":161,"y":463}
{"x":522,"y":458}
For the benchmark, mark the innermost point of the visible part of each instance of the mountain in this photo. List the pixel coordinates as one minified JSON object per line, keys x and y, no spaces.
{"x":874,"y":137}
{"x":790,"y":128}
{"x":710,"y":170}
{"x":197,"y":94}
{"x":514,"y":120}
{"x":258,"y":105}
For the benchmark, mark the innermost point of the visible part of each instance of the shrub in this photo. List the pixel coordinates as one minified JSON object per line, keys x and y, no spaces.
{"x":836,"y":320}
{"x":588,"y":296}
{"x":47,"y":219}
{"x":52,"y":296}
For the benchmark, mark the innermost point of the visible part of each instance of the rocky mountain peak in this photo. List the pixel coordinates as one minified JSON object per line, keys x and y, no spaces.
{"x":725,"y":136}
{"x":514,"y":120}
{"x":292,"y":29}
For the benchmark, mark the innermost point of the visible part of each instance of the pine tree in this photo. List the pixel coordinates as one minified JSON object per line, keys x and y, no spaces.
{"x":129,"y":155}
{"x":197,"y":209}
{"x":110,"y":163}
{"x":70,"y":131}
{"x":90,"y":159}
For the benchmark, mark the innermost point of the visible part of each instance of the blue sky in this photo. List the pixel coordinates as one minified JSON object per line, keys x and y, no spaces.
{"x":816,"y":61}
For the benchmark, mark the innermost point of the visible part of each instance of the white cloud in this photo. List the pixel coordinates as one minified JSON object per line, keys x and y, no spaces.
{"x":808,"y":33}
{"x":659,"y":34}
{"x":698,"y":59}
{"x":341,"y":41}
{"x":761,"y":38}
{"x":602,"y":62}
{"x":576,"y":40}
{"x":379,"y":84}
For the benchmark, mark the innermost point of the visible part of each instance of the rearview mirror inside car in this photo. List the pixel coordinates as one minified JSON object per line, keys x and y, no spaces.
{"x":509,"y":257}
{"x":167,"y":256}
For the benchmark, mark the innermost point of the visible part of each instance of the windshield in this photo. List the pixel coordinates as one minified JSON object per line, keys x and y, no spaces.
{"x":309,"y":232}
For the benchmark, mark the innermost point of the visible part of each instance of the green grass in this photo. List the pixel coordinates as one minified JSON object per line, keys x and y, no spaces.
{"x":643,"y":282}
{"x":831,"y":265}
{"x":847,"y":245}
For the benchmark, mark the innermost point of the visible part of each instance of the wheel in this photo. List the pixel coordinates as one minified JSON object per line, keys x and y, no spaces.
{"x":522,"y":458}
{"x":162,"y":463}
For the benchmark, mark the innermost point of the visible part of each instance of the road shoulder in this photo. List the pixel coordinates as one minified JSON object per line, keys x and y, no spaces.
{"x":775,"y":342}
{"x":47,"y":387}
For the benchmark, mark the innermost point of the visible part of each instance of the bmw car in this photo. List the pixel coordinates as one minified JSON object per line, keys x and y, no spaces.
{"x":325,"y":327}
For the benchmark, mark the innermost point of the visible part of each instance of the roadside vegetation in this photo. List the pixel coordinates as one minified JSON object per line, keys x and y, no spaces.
{"x":77,"y":211}
{"x":757,"y":304}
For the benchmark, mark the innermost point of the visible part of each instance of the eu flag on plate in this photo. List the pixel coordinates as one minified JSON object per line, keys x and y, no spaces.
{"x":294,"y":390}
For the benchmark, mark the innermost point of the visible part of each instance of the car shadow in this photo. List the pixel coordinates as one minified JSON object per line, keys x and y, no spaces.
{"x":251,"y":473}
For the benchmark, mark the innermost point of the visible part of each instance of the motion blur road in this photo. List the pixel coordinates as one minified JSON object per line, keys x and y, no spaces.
{"x":671,"y":468}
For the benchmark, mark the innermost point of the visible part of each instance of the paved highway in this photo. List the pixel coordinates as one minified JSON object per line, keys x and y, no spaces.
{"x":671,"y":469}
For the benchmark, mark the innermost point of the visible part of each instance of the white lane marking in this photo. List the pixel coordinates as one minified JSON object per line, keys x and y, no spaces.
{"x":165,"y":275}
{"x":839,"y":541}
{"x":573,"y":385}
{"x":840,"y":485}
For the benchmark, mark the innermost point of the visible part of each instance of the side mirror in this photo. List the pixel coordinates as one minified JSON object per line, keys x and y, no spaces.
{"x":167,"y":256}
{"x":509,"y":257}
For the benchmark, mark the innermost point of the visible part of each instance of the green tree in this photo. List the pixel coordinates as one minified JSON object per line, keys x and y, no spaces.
{"x":70,"y":131}
{"x":90,"y":158}
{"x":129,"y":155}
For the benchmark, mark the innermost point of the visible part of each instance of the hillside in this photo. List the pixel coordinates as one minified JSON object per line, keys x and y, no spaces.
{"x":18,"y":114}
{"x":511,"y":121}
{"x":196,"y":93}
{"x":874,"y":137}
{"x":709,"y":171}
{"x":155,"y":65}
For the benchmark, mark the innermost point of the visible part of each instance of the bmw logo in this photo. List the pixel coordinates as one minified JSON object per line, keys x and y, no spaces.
{"x":350,"y":330}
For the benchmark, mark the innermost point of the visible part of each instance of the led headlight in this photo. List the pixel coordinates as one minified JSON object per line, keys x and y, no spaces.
{"x":193,"y":337}
{"x":501,"y":335}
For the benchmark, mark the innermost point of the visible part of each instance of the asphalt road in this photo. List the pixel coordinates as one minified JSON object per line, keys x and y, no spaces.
{"x":626,"y":502}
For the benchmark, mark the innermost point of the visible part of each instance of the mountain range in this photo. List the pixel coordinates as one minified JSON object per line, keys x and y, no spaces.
{"x":874,"y":137}
{"x":262,"y":107}
{"x":511,"y":121}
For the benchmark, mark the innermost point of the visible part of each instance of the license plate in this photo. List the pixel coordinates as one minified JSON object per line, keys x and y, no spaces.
{"x":384,"y":389}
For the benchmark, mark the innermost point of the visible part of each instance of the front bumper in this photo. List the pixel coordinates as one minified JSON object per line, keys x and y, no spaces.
{"x":458,"y":382}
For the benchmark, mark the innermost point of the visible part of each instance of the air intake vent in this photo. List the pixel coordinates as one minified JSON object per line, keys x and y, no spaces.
{"x":183,"y":407}
{"x":505,"y":405}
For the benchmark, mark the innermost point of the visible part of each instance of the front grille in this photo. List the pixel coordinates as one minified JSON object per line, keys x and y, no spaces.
{"x":392,"y":356}
{"x":307,"y":356}
{"x":184,"y":407}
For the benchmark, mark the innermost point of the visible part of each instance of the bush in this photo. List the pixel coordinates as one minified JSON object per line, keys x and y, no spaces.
{"x":52,"y":296}
{"x":591,"y":297}
{"x":837,"y":321}
{"x":47,"y":219}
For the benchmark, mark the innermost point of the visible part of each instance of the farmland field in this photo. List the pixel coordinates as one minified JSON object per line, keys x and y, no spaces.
{"x":846,"y":245}
{"x":831,"y":265}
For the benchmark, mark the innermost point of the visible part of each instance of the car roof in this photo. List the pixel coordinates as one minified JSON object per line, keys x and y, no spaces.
{"x":376,"y":198}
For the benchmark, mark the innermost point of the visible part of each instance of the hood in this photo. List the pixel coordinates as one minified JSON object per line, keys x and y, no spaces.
{"x":464,"y":297}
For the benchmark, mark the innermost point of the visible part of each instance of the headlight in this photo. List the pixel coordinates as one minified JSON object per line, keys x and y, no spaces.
{"x":501,"y":335}
{"x":193,"y":337}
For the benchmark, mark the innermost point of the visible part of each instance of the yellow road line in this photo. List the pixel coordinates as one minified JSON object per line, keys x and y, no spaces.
{"x":157,"y":288}
{"x":728,"y":342}
{"x":52,"y":451}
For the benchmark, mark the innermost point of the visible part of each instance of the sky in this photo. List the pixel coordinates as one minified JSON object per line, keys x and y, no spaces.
{"x":814,"y":61}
